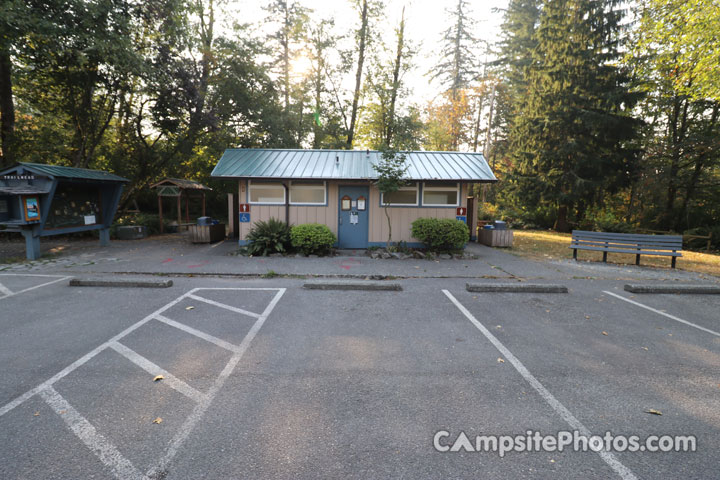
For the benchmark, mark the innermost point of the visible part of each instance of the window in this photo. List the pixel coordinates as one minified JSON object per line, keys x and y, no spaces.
{"x":307,"y":193}
{"x":266,"y":193}
{"x":405,"y":196}
{"x":439,"y":194}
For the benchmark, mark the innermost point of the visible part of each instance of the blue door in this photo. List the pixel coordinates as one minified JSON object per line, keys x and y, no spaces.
{"x":353,"y":205}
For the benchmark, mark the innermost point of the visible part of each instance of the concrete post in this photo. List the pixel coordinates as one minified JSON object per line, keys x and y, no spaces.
{"x":32,"y":245}
{"x":104,"y":237}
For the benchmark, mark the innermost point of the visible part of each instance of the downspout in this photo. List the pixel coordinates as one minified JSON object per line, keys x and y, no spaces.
{"x":287,"y":203}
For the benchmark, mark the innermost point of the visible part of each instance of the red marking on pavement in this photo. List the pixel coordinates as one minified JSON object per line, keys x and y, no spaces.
{"x":344,"y":263}
{"x":199,"y":264}
{"x":167,"y":260}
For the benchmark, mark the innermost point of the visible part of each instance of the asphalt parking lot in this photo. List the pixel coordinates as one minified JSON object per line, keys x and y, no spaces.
{"x":265,"y":379}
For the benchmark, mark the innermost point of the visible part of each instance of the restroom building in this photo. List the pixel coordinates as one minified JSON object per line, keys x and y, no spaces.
{"x":336,"y":188}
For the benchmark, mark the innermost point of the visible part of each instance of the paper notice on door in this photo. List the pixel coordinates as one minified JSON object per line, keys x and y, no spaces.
{"x":354,"y":218}
{"x":90,"y":219}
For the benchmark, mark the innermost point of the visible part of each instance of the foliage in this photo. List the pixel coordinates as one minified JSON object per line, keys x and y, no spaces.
{"x":574,"y":139}
{"x":266,"y":237}
{"x":312,"y":238}
{"x":682,"y":36}
{"x":390,"y":170}
{"x":441,"y":235}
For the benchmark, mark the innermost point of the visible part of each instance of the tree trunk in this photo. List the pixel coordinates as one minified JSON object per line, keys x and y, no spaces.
{"x":561,"y":222}
{"x":697,"y":171}
{"x":387,"y":215}
{"x":358,"y":73}
{"x":7,"y":109}
{"x":396,"y":81}
{"x":286,"y":59}
{"x":678,"y":124}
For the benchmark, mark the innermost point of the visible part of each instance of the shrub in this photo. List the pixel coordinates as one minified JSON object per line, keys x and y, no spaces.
{"x":312,"y":238}
{"x":268,"y":237}
{"x":442,"y":235}
{"x":609,"y":222}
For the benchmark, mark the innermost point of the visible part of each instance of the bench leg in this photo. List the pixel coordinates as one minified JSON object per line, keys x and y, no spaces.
{"x":605,"y":257}
{"x":673,"y":261}
{"x":575,"y":254}
{"x":637,"y":259}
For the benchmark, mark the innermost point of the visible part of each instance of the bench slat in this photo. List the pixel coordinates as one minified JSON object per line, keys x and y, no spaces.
{"x":633,"y":252}
{"x":615,"y":244}
{"x":633,"y":236}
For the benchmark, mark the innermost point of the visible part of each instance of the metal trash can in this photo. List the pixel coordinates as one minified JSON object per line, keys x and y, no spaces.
{"x":499,"y":225}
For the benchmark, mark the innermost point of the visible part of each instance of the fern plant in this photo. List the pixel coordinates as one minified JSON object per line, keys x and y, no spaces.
{"x":266,"y":237}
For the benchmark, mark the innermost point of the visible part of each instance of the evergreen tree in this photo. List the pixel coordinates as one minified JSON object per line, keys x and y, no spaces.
{"x":573,"y":142}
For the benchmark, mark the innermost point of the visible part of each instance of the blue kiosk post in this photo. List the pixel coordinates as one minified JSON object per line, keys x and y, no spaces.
{"x":39,"y":200}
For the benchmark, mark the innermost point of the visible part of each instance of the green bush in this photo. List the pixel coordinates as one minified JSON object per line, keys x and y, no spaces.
{"x":312,"y":238}
{"x":441,"y":235}
{"x":609,"y":222}
{"x":268,"y":237}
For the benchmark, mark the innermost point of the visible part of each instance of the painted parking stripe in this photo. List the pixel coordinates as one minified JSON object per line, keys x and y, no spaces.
{"x":12,"y":294}
{"x":226,"y":307}
{"x":171,"y":380}
{"x":192,"y":331}
{"x":197,"y":414}
{"x":106,"y":451}
{"x":87,"y":357}
{"x":624,"y":472}
{"x":5,"y":291}
{"x":664,"y":314}
{"x":108,"y":454}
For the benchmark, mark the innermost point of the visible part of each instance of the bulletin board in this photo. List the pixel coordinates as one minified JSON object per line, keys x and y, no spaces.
{"x":75,"y":205}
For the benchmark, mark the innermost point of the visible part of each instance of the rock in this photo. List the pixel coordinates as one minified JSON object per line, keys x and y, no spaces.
{"x":396,"y":255}
{"x":386,"y":255}
{"x":418,"y":254}
{"x":445,"y":256}
{"x":375,"y":255}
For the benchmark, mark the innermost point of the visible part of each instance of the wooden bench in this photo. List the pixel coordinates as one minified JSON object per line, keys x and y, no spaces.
{"x":665,"y":245}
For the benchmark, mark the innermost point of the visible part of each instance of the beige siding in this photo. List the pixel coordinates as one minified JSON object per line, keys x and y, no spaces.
{"x":401,"y":217}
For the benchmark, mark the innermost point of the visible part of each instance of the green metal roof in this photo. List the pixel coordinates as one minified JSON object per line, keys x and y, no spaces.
{"x":348,"y":165}
{"x":70,"y":172}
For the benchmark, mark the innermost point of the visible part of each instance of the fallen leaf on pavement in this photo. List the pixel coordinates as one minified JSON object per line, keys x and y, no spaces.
{"x":36,"y":414}
{"x":644,"y":348}
{"x":604,"y":333}
{"x":654,"y":412}
{"x":189,"y":308}
{"x":158,"y":377}
{"x":158,"y":420}
{"x":500,"y":360}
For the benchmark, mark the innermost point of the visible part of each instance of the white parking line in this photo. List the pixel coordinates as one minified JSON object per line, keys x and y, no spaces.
{"x":664,"y":314}
{"x":192,"y":331}
{"x":200,"y":409}
{"x":9,"y":293}
{"x":84,"y":359}
{"x":106,"y":451}
{"x":554,"y":403}
{"x":226,"y":307}
{"x":171,"y":380}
